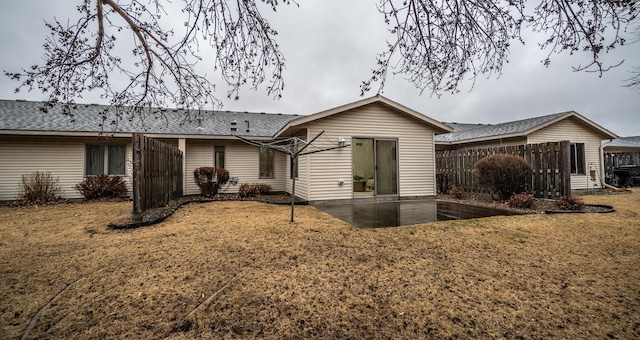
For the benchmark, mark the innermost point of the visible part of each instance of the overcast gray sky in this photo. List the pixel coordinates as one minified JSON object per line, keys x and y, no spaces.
{"x":330,"y":48}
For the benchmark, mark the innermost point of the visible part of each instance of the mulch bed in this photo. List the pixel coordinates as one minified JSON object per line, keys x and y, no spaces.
{"x":541,"y":206}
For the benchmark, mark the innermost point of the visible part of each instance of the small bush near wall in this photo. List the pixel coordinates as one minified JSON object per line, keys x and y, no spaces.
{"x":247,"y":190}
{"x":253,"y":190}
{"x":458,"y":192}
{"x":521,"y":201}
{"x":263,"y":188}
{"x":443,"y":183}
{"x":569,"y":203}
{"x":504,"y":174}
{"x":102,"y":186}
{"x":39,"y":188}
{"x":210,"y":180}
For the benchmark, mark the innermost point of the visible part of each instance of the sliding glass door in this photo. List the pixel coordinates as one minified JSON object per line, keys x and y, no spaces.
{"x":375,"y":166}
{"x":386,"y":167}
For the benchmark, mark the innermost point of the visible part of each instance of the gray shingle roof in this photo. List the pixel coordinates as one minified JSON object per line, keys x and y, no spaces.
{"x":626,"y":142}
{"x":463,"y":132}
{"x":28,"y":116}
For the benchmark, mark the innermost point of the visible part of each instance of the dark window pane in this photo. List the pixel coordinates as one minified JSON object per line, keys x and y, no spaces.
{"x":117,"y":159}
{"x":578,"y":158}
{"x":219,"y":156}
{"x":266,"y":162}
{"x":94,"y":160}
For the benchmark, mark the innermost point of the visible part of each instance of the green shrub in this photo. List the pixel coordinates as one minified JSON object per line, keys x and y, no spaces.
{"x":521,"y":201}
{"x":210,"y":180}
{"x":39,"y":188}
{"x":569,"y":203}
{"x":102,"y":186}
{"x":503,"y":174}
{"x":458,"y":192}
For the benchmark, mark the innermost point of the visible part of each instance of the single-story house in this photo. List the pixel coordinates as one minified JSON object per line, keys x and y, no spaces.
{"x":390,"y":148}
{"x":622,"y":144}
{"x":621,"y":151}
{"x":585,"y":136}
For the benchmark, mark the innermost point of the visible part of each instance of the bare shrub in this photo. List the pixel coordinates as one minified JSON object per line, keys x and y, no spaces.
{"x":504,"y":174}
{"x":263,"y":188}
{"x":253,"y":190}
{"x":522,"y":201}
{"x":247,"y":190}
{"x":569,"y":203}
{"x":210,"y":179}
{"x":39,"y":188}
{"x":458,"y":192}
{"x":443,"y":183}
{"x":102,"y":186}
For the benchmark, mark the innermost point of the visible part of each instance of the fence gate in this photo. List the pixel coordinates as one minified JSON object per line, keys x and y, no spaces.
{"x":551,"y":175}
{"x":157,"y":174}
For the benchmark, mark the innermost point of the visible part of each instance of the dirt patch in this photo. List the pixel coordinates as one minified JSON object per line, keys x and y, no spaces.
{"x":255,"y":275}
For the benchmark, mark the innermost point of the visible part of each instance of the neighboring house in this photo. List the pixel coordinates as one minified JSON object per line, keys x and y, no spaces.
{"x":585,"y":136}
{"x":623,"y":144}
{"x":391,"y":146}
{"x":620,"y":152}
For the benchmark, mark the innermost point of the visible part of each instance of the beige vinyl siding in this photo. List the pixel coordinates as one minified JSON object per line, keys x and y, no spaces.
{"x":241,"y":160}
{"x":198,"y":154}
{"x":302,"y":181}
{"x":575,"y":131}
{"x":64,"y":158}
{"x":415,"y":151}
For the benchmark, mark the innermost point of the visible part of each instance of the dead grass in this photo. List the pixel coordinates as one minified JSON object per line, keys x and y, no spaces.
{"x":538,"y":276}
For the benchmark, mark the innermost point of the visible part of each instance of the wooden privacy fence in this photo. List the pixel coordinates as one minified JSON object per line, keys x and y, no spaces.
{"x":550,"y":162}
{"x":613,"y":160}
{"x":157,"y":174}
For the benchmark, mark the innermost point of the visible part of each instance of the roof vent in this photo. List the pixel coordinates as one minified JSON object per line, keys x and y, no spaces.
{"x":246,"y":121}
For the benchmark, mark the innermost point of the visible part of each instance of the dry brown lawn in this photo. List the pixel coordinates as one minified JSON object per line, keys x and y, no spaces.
{"x":240,"y":270}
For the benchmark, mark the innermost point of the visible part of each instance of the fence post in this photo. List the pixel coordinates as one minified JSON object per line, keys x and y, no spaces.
{"x":565,"y":168}
{"x":137,"y":165}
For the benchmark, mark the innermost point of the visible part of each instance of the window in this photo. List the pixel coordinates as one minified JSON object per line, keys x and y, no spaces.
{"x":577,"y":158}
{"x":219,"y":157}
{"x":96,"y":156}
{"x":293,"y":171}
{"x":266,"y":162}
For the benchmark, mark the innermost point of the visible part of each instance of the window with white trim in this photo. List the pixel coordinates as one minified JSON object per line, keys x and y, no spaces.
{"x":219,"y":157}
{"x":105,"y":159}
{"x":266,"y":159}
{"x":577,"y":159}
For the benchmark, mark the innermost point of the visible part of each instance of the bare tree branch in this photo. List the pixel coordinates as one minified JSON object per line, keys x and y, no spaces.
{"x":80,"y":57}
{"x":436,"y":45}
{"x":439,"y":43}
